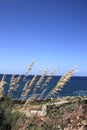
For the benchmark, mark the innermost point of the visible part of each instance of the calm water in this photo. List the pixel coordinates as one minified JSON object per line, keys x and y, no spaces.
{"x":76,"y":86}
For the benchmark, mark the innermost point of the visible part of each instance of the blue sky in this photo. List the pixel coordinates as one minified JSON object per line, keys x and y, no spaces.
{"x":53,"y":32}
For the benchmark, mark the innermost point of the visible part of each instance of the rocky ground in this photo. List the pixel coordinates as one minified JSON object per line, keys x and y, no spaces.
{"x":67,"y":113}
{"x":71,"y":115}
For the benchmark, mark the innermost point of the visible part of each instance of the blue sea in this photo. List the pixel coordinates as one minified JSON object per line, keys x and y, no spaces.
{"x":76,"y":86}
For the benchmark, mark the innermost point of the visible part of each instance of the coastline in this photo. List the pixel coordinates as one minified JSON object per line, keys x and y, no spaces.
{"x":66,"y":113}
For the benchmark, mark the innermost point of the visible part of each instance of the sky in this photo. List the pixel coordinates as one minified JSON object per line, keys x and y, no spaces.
{"x":51,"y":32}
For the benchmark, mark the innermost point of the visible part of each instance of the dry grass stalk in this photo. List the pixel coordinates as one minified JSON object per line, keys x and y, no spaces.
{"x":25,"y":89}
{"x":29,"y":68}
{"x":12,"y":80}
{"x":44,"y":86}
{"x":19,"y":78}
{"x":2,"y":83}
{"x":32,"y":82}
{"x":17,"y":82}
{"x":63,"y":80}
{"x":41,"y":95}
{"x":33,"y":79}
{"x":3,"y":78}
{"x":49,"y":77}
{"x":42,"y":77}
{"x":39,"y":82}
{"x":12,"y":83}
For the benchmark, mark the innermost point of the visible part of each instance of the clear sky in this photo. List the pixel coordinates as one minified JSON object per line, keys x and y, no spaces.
{"x":53,"y":32}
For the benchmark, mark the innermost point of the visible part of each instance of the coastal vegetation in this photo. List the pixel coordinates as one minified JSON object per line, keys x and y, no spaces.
{"x":34,"y":84}
{"x":38,"y":111}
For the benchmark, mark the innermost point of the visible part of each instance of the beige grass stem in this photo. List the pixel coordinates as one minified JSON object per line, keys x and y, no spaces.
{"x":42,"y":77}
{"x":33,"y":79}
{"x":25,"y":89}
{"x":12,"y":84}
{"x":63,"y":80}
{"x":49,"y":77}
{"x":2,"y":83}
{"x":45,"y":84}
{"x":19,"y":78}
{"x":29,"y":68}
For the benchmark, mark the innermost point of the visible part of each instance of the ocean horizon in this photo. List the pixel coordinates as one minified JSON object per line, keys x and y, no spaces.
{"x":76,"y":86}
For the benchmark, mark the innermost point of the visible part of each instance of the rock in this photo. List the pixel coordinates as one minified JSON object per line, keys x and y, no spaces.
{"x":83,"y":127}
{"x":65,"y":122}
{"x":83,"y":107}
{"x":84,"y":122}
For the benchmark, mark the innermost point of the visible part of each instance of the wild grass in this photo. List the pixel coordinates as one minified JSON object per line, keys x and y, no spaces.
{"x":42,"y":77}
{"x":49,"y":77}
{"x":63,"y":80}
{"x":25,"y":90}
{"x":38,"y":82}
{"x":35,"y":84}
{"x":45,"y":84}
{"x":28,"y":70}
{"x":2,"y":83}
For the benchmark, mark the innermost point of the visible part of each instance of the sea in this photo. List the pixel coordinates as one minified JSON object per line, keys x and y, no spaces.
{"x":76,"y":86}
